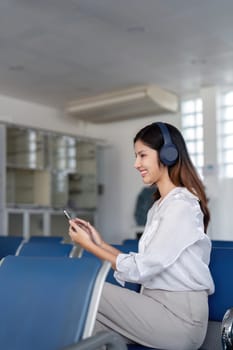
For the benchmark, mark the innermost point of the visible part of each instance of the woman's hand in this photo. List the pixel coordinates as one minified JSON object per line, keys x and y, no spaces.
{"x":90,"y":230}
{"x":81,"y":231}
{"x":78,"y":234}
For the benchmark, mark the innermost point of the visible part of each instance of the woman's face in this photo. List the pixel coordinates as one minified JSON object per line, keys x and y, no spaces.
{"x":147,"y":163}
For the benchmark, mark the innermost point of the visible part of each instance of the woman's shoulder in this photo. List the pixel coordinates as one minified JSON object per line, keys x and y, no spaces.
{"x":181,"y":194}
{"x":184,"y":194}
{"x":181,"y":199}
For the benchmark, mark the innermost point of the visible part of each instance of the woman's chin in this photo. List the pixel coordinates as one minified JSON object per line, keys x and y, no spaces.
{"x":147,"y":181}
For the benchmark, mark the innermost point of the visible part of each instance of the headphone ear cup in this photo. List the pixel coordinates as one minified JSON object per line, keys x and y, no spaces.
{"x":168,"y":154}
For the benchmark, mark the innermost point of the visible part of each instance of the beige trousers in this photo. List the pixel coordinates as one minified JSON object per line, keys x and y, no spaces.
{"x":155,"y":318}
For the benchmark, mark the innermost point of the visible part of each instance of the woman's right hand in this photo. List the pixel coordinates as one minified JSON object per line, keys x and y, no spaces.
{"x":92,"y":232}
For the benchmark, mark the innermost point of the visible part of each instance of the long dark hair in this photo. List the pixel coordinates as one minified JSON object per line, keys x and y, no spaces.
{"x":183,"y":172}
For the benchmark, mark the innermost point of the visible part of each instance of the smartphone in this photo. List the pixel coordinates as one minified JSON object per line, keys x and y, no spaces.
{"x":67,"y":214}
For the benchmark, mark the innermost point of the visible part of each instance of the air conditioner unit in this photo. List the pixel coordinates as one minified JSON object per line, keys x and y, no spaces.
{"x":125,"y":104}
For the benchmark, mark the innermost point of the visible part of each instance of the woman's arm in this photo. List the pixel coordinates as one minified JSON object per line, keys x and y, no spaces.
{"x":110,"y":248}
{"x":85,"y":234}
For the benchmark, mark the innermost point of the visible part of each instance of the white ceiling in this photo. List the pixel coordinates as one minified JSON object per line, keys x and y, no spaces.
{"x":55,"y":51}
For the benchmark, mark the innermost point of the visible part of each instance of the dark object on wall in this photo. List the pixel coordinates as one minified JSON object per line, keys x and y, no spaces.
{"x":144,"y":201}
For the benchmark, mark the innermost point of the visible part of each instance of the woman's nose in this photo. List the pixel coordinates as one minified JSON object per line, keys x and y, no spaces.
{"x":136,"y":163}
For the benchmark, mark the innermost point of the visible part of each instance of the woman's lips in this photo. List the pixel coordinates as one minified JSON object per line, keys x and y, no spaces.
{"x":143,"y":173}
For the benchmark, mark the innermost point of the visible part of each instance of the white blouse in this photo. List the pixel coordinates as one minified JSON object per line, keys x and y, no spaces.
{"x":174,"y":251}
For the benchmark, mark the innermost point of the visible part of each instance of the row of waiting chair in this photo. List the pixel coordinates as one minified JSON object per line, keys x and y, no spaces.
{"x":10,"y":244}
{"x":220,"y":265}
{"x":47,"y":300}
{"x":36,"y":246}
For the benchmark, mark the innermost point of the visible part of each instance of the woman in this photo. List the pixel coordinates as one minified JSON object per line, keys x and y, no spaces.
{"x":171,"y":312}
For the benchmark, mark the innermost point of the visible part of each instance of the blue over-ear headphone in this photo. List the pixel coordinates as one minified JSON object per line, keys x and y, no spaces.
{"x":168,"y":153}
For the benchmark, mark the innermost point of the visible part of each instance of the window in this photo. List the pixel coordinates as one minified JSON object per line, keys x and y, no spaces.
{"x":192,"y":126}
{"x":225,"y":127}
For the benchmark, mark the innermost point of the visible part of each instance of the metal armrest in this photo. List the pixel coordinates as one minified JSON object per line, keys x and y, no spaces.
{"x":227,"y":330}
{"x":111,"y":340}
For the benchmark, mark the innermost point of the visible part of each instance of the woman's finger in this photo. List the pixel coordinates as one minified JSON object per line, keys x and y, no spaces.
{"x":74,"y":226}
{"x":81,"y":221}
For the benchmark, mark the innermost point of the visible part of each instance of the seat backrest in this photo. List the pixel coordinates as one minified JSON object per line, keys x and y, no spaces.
{"x":9,"y":245}
{"x":45,"y":249}
{"x":46,"y":239}
{"x":222,"y":244}
{"x":221,"y":263}
{"x":48,"y":303}
{"x":132,"y":244}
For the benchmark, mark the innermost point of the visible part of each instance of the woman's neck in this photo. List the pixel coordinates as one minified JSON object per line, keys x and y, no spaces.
{"x":164,"y":189}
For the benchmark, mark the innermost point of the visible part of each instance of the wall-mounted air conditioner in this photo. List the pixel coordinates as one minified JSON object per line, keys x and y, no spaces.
{"x":124,"y":104}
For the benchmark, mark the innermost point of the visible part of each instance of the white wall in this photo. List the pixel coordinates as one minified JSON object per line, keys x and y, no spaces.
{"x":25,"y":113}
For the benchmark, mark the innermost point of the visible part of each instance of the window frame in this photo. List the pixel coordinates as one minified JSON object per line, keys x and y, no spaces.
{"x":193,"y":130}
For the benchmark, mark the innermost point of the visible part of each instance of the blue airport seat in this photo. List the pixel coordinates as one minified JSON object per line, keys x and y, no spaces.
{"x":127,"y":247}
{"x":221,"y":264}
{"x":9,"y":245}
{"x":48,"y":303}
{"x":46,"y":239}
{"x":222,"y":244}
{"x":132,"y":244}
{"x":45,"y":249}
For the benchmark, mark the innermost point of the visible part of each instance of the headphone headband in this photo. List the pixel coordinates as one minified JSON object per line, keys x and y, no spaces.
{"x":166,"y":134}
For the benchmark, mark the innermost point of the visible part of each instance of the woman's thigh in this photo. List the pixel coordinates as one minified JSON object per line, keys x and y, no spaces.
{"x":148,"y":318}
